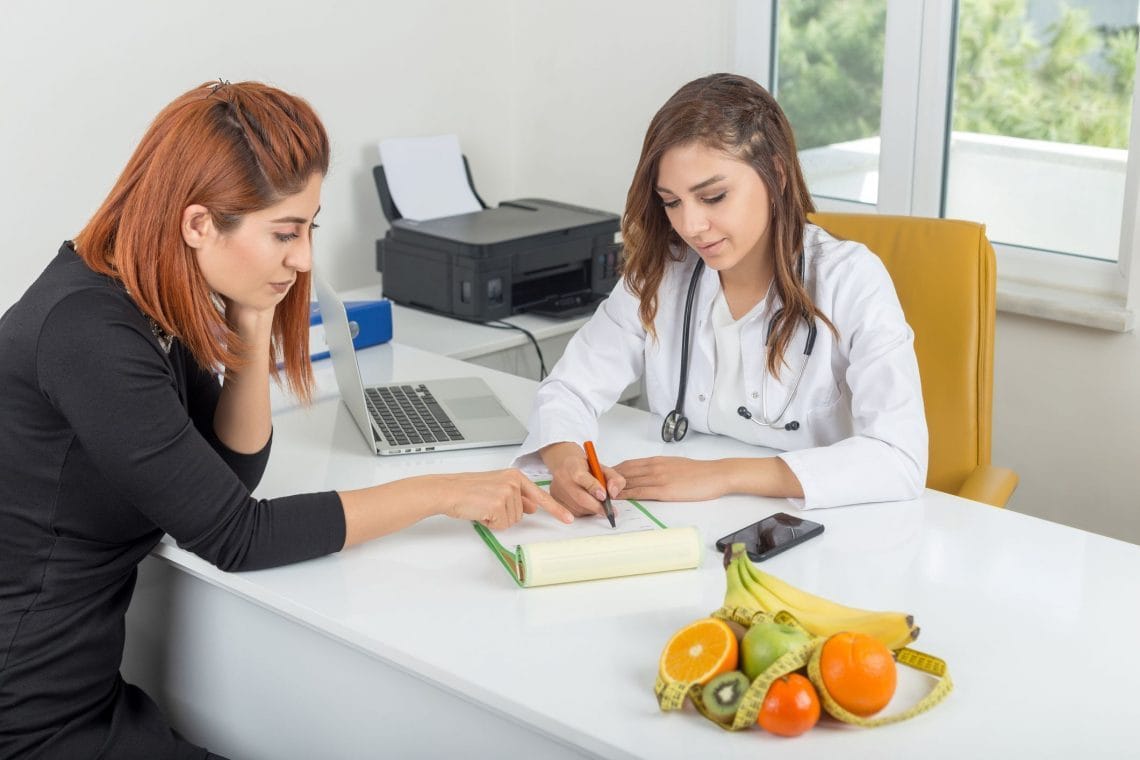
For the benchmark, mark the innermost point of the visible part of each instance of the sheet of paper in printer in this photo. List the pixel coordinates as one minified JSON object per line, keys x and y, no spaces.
{"x":426,"y":177}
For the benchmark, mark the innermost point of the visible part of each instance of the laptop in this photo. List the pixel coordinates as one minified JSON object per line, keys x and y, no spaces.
{"x":410,"y":417}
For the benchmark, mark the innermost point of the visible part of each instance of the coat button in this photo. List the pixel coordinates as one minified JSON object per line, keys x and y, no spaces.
{"x":755,"y":394}
{"x":701,"y":396}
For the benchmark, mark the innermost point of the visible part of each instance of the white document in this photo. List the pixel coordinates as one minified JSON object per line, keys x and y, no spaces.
{"x":543,"y":526}
{"x":426,"y":177}
{"x":541,"y":551}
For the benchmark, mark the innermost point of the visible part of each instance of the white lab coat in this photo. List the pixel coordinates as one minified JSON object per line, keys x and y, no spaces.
{"x":862,"y":434}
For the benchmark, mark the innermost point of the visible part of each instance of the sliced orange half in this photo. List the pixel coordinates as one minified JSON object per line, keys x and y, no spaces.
{"x":700,"y":652}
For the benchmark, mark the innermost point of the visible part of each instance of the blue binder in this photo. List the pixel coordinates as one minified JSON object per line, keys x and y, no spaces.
{"x":370,"y":322}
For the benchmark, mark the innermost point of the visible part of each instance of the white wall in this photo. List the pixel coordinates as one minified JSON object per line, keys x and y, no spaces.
{"x":591,"y":74}
{"x":1067,"y":418}
{"x":93,"y":74}
{"x":548,"y":98}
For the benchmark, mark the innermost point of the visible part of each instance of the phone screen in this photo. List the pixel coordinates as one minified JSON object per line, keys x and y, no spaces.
{"x":772,"y":535}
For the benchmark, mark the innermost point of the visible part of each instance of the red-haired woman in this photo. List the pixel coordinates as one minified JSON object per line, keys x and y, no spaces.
{"x":114,"y":428}
{"x":745,"y":320}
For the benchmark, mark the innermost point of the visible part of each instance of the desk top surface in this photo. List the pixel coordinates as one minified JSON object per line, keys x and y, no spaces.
{"x":1032,"y":617}
{"x":460,"y":339}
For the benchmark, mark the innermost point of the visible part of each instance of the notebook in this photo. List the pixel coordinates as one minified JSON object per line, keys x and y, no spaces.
{"x":541,"y":551}
{"x":413,"y":416}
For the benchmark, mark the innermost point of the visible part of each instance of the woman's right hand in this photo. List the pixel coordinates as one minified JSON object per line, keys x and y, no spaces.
{"x":497,"y":499}
{"x":571,"y":482}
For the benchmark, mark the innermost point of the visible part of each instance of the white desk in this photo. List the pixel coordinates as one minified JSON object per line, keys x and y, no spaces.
{"x":496,"y":348}
{"x":419,"y":645}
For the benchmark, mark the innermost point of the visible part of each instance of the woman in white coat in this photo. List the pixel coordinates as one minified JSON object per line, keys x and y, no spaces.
{"x":746,"y":321}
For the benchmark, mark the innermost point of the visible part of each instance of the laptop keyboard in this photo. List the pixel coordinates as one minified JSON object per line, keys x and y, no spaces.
{"x":410,"y":414}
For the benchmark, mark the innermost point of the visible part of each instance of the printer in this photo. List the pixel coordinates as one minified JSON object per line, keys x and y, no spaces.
{"x":528,"y":255}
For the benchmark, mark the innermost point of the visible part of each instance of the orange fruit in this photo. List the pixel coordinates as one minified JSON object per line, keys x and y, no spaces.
{"x":700,"y":652}
{"x":790,"y":707}
{"x":859,"y":672}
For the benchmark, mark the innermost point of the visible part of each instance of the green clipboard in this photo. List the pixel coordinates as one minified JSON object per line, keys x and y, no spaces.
{"x":646,"y":545}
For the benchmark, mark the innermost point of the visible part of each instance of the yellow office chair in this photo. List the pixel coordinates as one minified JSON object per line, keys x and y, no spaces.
{"x":943,"y":271}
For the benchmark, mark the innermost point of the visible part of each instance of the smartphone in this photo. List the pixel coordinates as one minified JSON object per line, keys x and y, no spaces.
{"x":772,"y":535}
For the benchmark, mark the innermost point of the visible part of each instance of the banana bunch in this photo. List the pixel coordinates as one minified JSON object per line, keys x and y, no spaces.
{"x":753,"y":589}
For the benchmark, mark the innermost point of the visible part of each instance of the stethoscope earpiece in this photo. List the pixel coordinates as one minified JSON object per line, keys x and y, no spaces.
{"x":743,"y":412}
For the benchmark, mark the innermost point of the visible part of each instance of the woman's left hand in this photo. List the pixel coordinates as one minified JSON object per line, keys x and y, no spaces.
{"x":250,"y":324}
{"x":671,"y":479}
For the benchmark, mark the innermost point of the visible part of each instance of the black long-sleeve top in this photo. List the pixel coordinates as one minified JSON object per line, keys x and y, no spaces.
{"x":106,"y":443}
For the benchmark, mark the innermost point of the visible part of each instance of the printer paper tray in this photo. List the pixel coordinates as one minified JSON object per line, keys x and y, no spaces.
{"x":566,"y":305}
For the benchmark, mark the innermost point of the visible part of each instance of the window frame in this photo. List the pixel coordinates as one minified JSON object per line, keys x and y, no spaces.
{"x":913,"y":163}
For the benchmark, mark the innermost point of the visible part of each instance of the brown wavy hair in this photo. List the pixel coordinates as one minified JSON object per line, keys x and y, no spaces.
{"x":733,"y":114}
{"x":235,"y":149}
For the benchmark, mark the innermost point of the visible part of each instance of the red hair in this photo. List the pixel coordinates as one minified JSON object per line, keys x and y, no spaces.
{"x":235,"y":149}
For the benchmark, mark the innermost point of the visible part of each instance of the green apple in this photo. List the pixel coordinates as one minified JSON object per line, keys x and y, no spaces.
{"x":767,"y":642}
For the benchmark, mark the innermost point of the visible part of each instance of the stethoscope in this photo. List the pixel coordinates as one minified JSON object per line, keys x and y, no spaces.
{"x":677,"y":424}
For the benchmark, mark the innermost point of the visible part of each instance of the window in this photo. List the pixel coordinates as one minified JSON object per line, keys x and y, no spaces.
{"x":1015,"y":113}
{"x":1041,"y":114}
{"x":829,"y":81}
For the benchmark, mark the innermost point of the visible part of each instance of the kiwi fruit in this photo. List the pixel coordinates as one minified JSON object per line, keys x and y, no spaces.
{"x":722,"y":695}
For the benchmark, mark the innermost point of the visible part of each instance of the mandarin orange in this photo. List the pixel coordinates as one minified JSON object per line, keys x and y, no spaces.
{"x":790,"y":707}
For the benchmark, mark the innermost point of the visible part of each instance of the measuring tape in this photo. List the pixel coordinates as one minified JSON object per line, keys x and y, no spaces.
{"x":672,"y":695}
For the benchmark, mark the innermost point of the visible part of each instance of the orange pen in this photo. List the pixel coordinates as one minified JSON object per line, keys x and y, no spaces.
{"x":596,"y":471}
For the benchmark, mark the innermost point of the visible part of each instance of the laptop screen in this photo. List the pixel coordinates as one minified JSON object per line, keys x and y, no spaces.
{"x":338,"y":335}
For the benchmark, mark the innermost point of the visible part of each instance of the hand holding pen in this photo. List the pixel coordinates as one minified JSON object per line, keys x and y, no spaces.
{"x":572,"y":484}
{"x":596,"y":471}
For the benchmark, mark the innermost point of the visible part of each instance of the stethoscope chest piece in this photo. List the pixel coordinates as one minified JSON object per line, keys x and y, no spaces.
{"x":674,"y":427}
